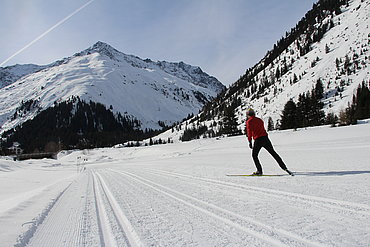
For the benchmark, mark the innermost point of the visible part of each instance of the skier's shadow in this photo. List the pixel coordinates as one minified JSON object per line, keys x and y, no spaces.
{"x":331,"y":173}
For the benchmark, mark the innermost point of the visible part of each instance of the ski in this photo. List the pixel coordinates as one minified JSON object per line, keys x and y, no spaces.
{"x":251,"y":175}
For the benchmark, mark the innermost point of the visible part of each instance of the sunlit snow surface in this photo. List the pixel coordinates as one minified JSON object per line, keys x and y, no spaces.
{"x":179,"y":194}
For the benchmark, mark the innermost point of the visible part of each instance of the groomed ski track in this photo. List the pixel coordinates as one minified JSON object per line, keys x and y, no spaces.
{"x":179,"y":195}
{"x":146,"y":207}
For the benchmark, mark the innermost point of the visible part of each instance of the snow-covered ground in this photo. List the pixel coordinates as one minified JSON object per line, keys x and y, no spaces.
{"x":179,"y":194}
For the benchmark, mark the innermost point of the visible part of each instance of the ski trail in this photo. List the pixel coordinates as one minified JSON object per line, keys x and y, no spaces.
{"x":265,"y":237}
{"x":25,"y":238}
{"x":13,"y":202}
{"x":97,"y":212}
{"x":106,"y":234}
{"x":85,"y":227}
{"x":352,"y":207}
{"x":132,"y":237}
{"x":69,"y":222}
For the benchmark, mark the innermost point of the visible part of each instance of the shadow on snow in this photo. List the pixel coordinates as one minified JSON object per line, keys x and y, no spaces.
{"x":332,"y":173}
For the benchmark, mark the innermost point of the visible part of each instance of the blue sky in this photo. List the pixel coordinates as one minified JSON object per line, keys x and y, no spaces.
{"x":223,"y":37}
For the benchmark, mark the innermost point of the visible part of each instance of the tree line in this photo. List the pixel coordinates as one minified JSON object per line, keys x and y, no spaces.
{"x":358,"y":109}
{"x":308,"y":111}
{"x":75,"y":124}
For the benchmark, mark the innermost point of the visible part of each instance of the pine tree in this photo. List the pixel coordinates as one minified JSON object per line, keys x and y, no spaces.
{"x":319,"y":89}
{"x":362,"y":102}
{"x":316,"y":114}
{"x":229,"y":123}
{"x":302,"y":111}
{"x":331,"y":119}
{"x":270,"y":124}
{"x":289,"y":116}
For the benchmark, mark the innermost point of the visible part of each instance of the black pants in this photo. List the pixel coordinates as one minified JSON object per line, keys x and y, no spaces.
{"x":264,"y":142}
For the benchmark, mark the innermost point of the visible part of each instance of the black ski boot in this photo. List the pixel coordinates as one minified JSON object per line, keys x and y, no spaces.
{"x":289,"y":172}
{"x":257,"y":173}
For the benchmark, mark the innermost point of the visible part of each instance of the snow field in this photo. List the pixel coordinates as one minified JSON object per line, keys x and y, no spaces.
{"x":179,"y":194}
{"x":27,"y":193}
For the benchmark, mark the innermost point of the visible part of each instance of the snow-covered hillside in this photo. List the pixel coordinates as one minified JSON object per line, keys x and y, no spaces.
{"x":329,"y":45}
{"x":179,"y":194}
{"x":149,"y":91}
{"x":346,"y":41}
{"x":10,"y":74}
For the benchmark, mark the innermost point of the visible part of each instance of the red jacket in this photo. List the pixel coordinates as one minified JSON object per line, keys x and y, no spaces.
{"x":255,"y":128}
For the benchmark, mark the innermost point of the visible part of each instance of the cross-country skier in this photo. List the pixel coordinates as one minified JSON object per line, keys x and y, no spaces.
{"x":254,"y":128}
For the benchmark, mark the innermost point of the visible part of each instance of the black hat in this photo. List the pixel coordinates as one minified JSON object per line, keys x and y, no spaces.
{"x":250,"y":112}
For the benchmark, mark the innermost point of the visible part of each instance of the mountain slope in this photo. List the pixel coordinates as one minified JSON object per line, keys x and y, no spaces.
{"x":151,"y":92}
{"x":10,"y":74}
{"x":329,"y":45}
{"x":339,"y":59}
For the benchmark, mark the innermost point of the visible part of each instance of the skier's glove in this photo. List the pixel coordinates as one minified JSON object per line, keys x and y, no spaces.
{"x":250,"y":145}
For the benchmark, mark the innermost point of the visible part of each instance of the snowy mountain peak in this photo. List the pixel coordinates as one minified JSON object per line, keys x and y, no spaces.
{"x":103,"y":49}
{"x":193,"y":74}
{"x":98,"y":46}
{"x":144,"y":93}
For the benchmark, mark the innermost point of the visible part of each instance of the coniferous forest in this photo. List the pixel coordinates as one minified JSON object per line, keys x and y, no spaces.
{"x":75,"y":124}
{"x":308,"y":111}
{"x":359,"y":109}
